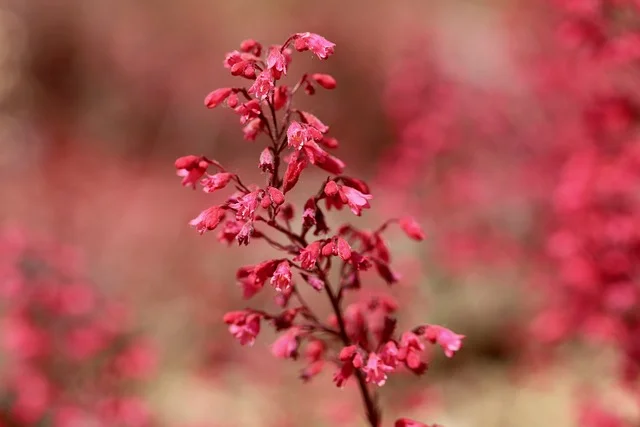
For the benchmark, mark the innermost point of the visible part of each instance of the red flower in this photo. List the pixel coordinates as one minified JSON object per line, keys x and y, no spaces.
{"x":286,"y":346}
{"x":244,"y":326}
{"x":215,"y":182}
{"x":338,"y":195}
{"x":276,"y":60}
{"x":191,"y":168}
{"x":324,"y":80}
{"x":297,"y":163}
{"x":411,"y":228}
{"x":208,"y":219}
{"x":246,"y":206}
{"x":216,"y":97}
{"x":309,"y":255}
{"x":448,"y":340}
{"x":281,"y":279}
{"x":263,"y":85}
{"x":298,"y":134}
{"x":315,"y":43}
{"x":376,"y":370}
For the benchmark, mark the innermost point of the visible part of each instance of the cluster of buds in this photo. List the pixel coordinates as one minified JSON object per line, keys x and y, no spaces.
{"x":360,"y":339}
{"x":72,"y":357}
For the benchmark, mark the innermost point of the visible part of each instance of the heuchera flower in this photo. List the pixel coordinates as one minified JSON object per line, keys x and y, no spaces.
{"x":208,"y":219}
{"x":244,"y":326}
{"x":447,"y":339}
{"x":315,"y":43}
{"x":299,"y":134}
{"x":411,"y":228}
{"x":263,"y":85}
{"x":215,"y":182}
{"x":281,"y":279}
{"x":216,"y":97}
{"x":191,"y":168}
{"x":365,"y":330}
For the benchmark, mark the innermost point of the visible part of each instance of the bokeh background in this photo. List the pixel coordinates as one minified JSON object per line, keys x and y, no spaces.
{"x":457,"y":111}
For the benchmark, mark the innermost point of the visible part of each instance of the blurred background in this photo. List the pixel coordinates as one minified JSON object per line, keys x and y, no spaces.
{"x":492,"y":121}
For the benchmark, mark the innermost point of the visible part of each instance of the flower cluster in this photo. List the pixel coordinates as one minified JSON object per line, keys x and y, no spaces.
{"x":360,"y":339}
{"x":70,"y":356}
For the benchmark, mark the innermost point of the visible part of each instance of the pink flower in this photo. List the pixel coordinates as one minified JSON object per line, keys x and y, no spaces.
{"x":298,"y":134}
{"x":246,"y":206}
{"x":447,"y":339}
{"x":263,"y":85}
{"x":248,"y":111}
{"x":281,"y":279}
{"x":208,"y":219}
{"x":297,"y":163}
{"x":356,"y":200}
{"x":309,"y":255}
{"x":338,"y":195}
{"x":313,"y":121}
{"x":376,"y":370}
{"x":275,"y":196}
{"x":267,"y":160}
{"x":324,"y":80}
{"x":286,"y":346}
{"x":216,"y":97}
{"x":411,"y":228}
{"x":276,"y":60}
{"x":215,"y":182}
{"x":244,"y":326}
{"x":252,"y":129}
{"x":191,"y":168}
{"x":315,"y":43}
{"x":410,"y":352}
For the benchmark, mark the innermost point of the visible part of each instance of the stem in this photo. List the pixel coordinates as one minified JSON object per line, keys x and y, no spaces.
{"x":371,"y":408}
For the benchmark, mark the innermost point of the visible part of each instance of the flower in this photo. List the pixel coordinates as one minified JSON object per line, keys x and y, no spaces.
{"x":216,"y":97}
{"x":263,"y":85}
{"x":411,"y":228}
{"x":276,"y":60}
{"x":309,"y":255}
{"x":324,"y":80}
{"x":191,"y":168}
{"x":286,"y":346}
{"x":244,"y":326}
{"x":447,"y":339}
{"x":281,"y":279}
{"x":376,"y":370}
{"x":315,"y":43}
{"x":297,"y":163}
{"x":298,"y":134}
{"x":246,"y":206}
{"x":208,"y":219}
{"x":215,"y":182}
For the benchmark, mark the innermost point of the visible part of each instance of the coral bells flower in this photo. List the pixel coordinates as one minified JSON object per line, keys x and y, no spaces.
{"x":215,"y":182}
{"x":208,"y":219}
{"x":447,"y":339}
{"x":281,"y":279}
{"x":338,"y":195}
{"x":309,"y":255}
{"x":376,"y":370}
{"x":277,"y":60}
{"x":315,"y":43}
{"x":286,"y":346}
{"x":216,"y":97}
{"x":263,"y":85}
{"x":324,"y":80}
{"x":244,"y":326}
{"x":411,"y":228}
{"x":365,"y":330}
{"x":191,"y":168}
{"x":299,"y":134}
